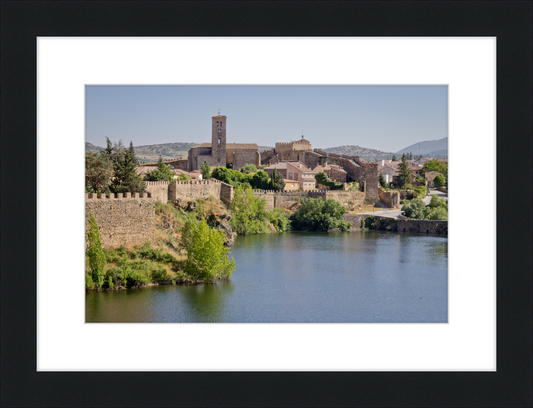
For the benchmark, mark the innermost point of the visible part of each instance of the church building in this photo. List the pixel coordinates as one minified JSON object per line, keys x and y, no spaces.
{"x":219,"y":153}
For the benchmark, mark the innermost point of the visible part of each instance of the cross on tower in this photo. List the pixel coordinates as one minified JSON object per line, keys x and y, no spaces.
{"x":219,"y":111}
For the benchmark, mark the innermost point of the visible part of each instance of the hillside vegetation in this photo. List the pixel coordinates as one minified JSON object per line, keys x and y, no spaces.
{"x":363,"y":152}
{"x":168,"y":151}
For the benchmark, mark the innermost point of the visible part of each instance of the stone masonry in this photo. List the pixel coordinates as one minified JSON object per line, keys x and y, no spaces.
{"x":122,"y":219}
{"x":287,"y":199}
{"x":191,"y":190}
{"x":158,"y":190}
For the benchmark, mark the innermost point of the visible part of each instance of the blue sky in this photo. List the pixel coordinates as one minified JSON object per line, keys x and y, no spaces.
{"x":386,"y":118}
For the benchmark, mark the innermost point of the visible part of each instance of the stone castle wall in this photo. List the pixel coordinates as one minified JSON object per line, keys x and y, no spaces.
{"x":122,"y":219}
{"x":158,"y":190}
{"x":245,"y":156}
{"x":390,"y":198}
{"x":287,"y":199}
{"x":190,"y":190}
{"x":346,"y":198}
{"x":422,"y":226}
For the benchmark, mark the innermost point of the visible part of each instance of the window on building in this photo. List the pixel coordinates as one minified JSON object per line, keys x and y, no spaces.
{"x":217,"y":123}
{"x":218,"y":130}
{"x":219,"y":140}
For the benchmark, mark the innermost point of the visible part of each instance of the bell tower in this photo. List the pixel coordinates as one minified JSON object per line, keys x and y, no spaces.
{"x":218,"y":140}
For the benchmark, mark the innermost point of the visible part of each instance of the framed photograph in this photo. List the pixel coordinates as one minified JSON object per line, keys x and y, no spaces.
{"x":323,"y":362}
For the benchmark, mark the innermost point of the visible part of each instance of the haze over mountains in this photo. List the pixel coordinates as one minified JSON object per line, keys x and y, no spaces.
{"x":168,"y":151}
{"x":428,"y":148}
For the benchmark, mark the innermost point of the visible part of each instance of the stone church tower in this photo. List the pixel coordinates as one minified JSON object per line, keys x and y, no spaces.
{"x":218,"y":141}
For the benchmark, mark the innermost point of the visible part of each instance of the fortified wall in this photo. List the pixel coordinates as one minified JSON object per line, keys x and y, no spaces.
{"x":200,"y":189}
{"x":390,"y":198}
{"x":122,"y":219}
{"x":158,"y":190}
{"x":287,"y":199}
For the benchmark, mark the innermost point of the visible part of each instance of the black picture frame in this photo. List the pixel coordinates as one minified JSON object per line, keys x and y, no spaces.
{"x":23,"y":22}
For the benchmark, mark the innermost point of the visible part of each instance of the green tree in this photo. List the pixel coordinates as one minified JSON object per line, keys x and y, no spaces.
{"x":393,"y":157}
{"x":435,"y":165}
{"x":416,"y":209}
{"x":316,"y":214}
{"x":125,"y":173}
{"x":322,"y":178}
{"x":95,"y":253}
{"x":437,"y":201}
{"x":276,"y":181}
{"x":248,"y":168}
{"x":260,"y":180}
{"x":439,"y":213}
{"x":205,"y":168}
{"x":222,"y":174}
{"x":183,"y":177}
{"x":98,"y":172}
{"x":207,"y":257}
{"x":162,"y":173}
{"x":439,"y":181}
{"x":405,"y":176}
{"x":249,"y":215}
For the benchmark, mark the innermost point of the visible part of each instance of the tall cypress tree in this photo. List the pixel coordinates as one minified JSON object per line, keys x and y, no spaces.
{"x":405,"y":175}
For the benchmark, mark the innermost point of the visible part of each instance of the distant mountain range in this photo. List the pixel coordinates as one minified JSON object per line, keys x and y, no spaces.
{"x":169,"y":151}
{"x":430,"y":147}
{"x":363,"y":152}
{"x":150,"y":153}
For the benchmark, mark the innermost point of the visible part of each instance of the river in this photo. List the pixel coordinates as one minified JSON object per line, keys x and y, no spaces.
{"x":349,"y":277}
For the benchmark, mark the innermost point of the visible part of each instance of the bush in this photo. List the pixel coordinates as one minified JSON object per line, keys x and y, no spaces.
{"x":279,"y":219}
{"x":316,"y":214}
{"x":439,"y":181}
{"x":248,"y":168}
{"x":207,"y":257}
{"x":439,"y":213}
{"x":153,"y":254}
{"x":416,"y":209}
{"x":249,"y":212}
{"x":97,"y":258}
{"x":322,"y":178}
{"x":89,"y":284}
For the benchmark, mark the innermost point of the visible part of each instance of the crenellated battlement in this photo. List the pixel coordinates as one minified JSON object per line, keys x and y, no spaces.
{"x":204,"y":182}
{"x":118,"y":196}
{"x":288,"y":193}
{"x":157,"y":183}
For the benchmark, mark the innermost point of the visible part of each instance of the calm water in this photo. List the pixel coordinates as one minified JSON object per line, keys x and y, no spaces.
{"x":366,"y":276}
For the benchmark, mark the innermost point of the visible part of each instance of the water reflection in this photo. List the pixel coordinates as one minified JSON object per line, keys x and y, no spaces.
{"x":361,"y":276}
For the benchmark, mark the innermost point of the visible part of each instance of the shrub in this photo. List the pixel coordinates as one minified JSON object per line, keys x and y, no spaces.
{"x":89,"y":284}
{"x":279,"y":219}
{"x":97,"y":258}
{"x":153,"y":254}
{"x":248,"y":168}
{"x":249,"y":212}
{"x":316,"y":214}
{"x":416,"y":209}
{"x":207,"y":257}
{"x":322,"y":178}
{"x":438,"y":213}
{"x":439,"y":181}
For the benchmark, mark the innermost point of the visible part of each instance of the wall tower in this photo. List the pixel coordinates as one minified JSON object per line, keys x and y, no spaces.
{"x":218,"y":141}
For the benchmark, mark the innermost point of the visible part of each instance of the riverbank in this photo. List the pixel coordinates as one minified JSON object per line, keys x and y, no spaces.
{"x":404,"y":224}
